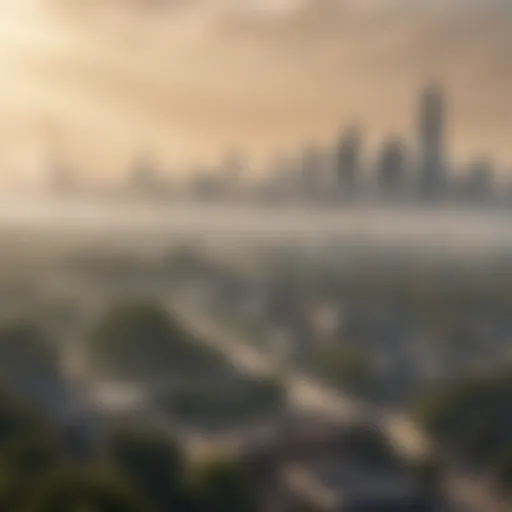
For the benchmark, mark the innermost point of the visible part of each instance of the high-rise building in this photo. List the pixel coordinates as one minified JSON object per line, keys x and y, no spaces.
{"x":479,"y":180}
{"x":432,"y":165}
{"x":391,"y":167}
{"x":348,"y":161}
{"x":312,"y":167}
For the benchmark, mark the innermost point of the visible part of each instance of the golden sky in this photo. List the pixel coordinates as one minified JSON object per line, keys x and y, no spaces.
{"x":100,"y":81}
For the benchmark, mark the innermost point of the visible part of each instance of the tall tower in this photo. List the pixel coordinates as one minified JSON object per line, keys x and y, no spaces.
{"x":391,"y":167}
{"x":479,"y":180}
{"x":432,"y":171}
{"x":348,"y":161}
{"x":311,"y":173}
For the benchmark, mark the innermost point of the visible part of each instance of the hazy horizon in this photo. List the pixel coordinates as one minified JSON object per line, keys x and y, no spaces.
{"x":98,"y":83}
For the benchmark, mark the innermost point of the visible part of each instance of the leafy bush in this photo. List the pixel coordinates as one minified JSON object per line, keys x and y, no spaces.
{"x":30,"y":365}
{"x":93,"y":490}
{"x":472,"y":419}
{"x":139,"y":471}
{"x":224,"y":485}
{"x":154,"y":464}
{"x":140,"y":339}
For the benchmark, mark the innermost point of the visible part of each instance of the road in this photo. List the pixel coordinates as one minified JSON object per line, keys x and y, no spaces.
{"x":305,"y":394}
{"x":466,"y":492}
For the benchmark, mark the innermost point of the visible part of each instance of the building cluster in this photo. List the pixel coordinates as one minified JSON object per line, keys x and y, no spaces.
{"x":336,"y":174}
{"x":397,"y":172}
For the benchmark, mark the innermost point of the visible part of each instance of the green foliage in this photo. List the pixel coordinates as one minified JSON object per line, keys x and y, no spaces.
{"x":224,"y":485}
{"x":139,"y":339}
{"x":92,"y":490}
{"x":23,"y":346}
{"x":23,"y":462}
{"x":152,"y":463}
{"x":346,"y":366}
{"x":472,"y":419}
{"x":29,"y":365}
{"x":501,"y":467}
{"x":17,"y":422}
{"x":428,"y":472}
{"x":28,"y":450}
{"x":470,"y":401}
{"x":140,"y":471}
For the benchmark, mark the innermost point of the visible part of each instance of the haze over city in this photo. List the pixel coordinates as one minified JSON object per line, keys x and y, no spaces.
{"x":99,"y":83}
{"x":256,"y":255}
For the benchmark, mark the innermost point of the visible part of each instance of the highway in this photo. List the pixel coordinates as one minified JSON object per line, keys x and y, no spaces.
{"x":306,"y":396}
{"x":466,"y":492}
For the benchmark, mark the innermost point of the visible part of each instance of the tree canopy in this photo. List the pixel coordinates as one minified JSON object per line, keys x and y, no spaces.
{"x":224,"y":484}
{"x":472,"y":419}
{"x":91,"y":490}
{"x":138,"y":339}
{"x":153,"y":463}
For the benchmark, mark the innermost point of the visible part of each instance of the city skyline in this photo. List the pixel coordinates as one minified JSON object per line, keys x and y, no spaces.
{"x":190,"y":84}
{"x":401,"y":166}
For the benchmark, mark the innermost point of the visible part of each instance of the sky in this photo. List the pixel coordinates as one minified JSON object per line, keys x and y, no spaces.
{"x":99,"y":82}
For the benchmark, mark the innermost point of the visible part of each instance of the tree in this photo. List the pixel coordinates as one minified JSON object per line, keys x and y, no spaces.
{"x":501,"y":468}
{"x":94,"y":490}
{"x":23,"y":462}
{"x":153,"y":463}
{"x":137,"y":339}
{"x":16,"y":421}
{"x":429,"y":473}
{"x":224,"y":485}
{"x":472,"y":420}
{"x":30,"y":366}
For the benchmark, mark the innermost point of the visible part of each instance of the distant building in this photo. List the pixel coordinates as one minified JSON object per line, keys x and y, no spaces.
{"x":205,"y":185}
{"x":348,"y":161}
{"x":432,"y":165}
{"x":145,"y":180}
{"x":282,"y":179}
{"x":478,"y":185}
{"x":391,"y":168}
{"x":312,"y":173}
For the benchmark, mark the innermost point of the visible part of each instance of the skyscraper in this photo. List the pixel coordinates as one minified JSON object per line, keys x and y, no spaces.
{"x":391,"y":167}
{"x":479,"y":180}
{"x":312,"y":166}
{"x":348,"y":163}
{"x":432,"y":166}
